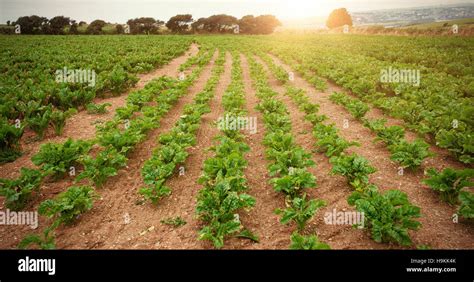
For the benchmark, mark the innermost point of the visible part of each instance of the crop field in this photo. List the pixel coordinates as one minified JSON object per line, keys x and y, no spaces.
{"x":237,"y":142}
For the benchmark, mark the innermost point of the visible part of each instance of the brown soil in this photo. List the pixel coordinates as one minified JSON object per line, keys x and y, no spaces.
{"x":438,"y":231}
{"x":82,"y":125}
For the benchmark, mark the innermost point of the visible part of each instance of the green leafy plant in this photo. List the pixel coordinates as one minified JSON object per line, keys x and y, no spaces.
{"x":300,"y":211}
{"x":93,"y":108}
{"x":333,"y":145}
{"x":9,"y":141}
{"x":57,"y":158}
{"x":410,"y":155}
{"x":44,"y":241}
{"x":155,"y":191}
{"x":39,"y":120}
{"x":389,"y":215}
{"x":391,"y":135}
{"x":217,"y":207}
{"x":119,"y":80}
{"x":293,"y":183}
{"x":355,"y":168}
{"x":103,"y":166}
{"x":301,"y":242}
{"x":449,"y":182}
{"x":63,"y":209}
{"x":17,"y":192}
{"x":466,"y":208}
{"x":58,"y":120}
{"x":68,"y":205}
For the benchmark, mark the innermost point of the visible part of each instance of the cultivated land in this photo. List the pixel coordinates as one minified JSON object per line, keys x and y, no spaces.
{"x":155,"y":171}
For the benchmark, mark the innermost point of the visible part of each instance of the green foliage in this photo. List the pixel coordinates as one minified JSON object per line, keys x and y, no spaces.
{"x":389,"y":215}
{"x":355,"y":168}
{"x":9,"y":141}
{"x":58,"y":120}
{"x":217,"y":206}
{"x":39,"y":120}
{"x":119,"y":80}
{"x":449,"y":182}
{"x":410,"y":155}
{"x":44,"y":242}
{"x":329,"y":141}
{"x":17,"y":192}
{"x":301,"y":242}
{"x":103,"y":166}
{"x":155,"y":192}
{"x":122,"y":141}
{"x":93,"y":108}
{"x":357,"y":108}
{"x":68,"y":205}
{"x":293,"y":183}
{"x":300,"y":211}
{"x":57,"y":158}
{"x":466,"y":209}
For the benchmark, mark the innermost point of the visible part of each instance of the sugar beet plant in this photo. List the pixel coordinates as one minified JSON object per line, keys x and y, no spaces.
{"x":173,"y":145}
{"x":453,"y":187}
{"x":408,"y":155}
{"x":223,"y":180}
{"x":64,"y":209}
{"x":290,"y":162}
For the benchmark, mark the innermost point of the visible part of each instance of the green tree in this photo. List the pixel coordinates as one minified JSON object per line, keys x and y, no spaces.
{"x":179,"y":23}
{"x":95,"y":27}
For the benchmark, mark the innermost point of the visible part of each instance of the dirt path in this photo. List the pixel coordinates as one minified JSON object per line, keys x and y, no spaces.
{"x":82,"y":125}
{"x":333,"y":189}
{"x":438,"y":231}
{"x":104,"y":226}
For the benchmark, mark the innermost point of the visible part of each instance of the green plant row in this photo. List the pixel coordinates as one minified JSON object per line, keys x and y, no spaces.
{"x":290,"y":162}
{"x":173,"y":145}
{"x":223,"y":179}
{"x":390,"y":215}
{"x":407,"y":154}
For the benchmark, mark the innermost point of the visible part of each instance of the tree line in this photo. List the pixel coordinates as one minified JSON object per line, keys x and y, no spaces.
{"x":179,"y":24}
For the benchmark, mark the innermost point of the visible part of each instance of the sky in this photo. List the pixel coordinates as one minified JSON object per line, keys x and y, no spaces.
{"x":119,"y":11}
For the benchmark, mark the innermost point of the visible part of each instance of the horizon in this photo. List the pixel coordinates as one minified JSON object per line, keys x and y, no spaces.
{"x":120,"y":11}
